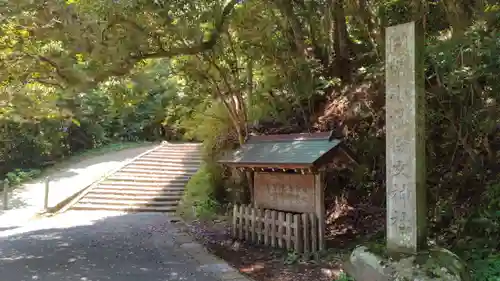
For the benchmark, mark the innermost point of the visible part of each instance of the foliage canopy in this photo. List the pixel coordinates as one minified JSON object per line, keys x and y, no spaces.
{"x":77,"y":74}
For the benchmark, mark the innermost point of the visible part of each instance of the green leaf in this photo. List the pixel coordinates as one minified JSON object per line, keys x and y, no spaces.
{"x":76,"y":122}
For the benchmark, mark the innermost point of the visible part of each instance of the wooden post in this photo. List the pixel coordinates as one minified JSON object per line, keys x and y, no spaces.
{"x":274,"y":218}
{"x":320,"y":207}
{"x":6,"y":194}
{"x":306,"y":236}
{"x":288,"y":230}
{"x":260,"y":229}
{"x":240,"y":224}
{"x":235,"y":220}
{"x":266,"y":227}
{"x":254,"y":223}
{"x":297,"y":237}
{"x":251,"y":188}
{"x":46,"y":197}
{"x":314,"y":232}
{"x":281,"y":221}
{"x":246,"y":220}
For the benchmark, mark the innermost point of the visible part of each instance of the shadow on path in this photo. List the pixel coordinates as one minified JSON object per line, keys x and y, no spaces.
{"x":90,"y":246}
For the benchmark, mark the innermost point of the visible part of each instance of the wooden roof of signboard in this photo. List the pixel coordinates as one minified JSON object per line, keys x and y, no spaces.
{"x":291,"y":151}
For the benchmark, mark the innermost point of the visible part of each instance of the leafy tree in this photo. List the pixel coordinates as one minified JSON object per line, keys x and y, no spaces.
{"x":81,"y":43}
{"x":80,"y":73}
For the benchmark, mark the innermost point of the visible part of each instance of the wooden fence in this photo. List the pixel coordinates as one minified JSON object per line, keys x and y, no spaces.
{"x":295,"y":232}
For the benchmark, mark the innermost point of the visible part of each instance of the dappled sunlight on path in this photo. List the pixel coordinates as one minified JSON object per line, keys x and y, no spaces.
{"x":95,"y":246}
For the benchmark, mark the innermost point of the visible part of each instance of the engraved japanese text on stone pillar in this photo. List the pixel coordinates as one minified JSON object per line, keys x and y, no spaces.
{"x":403,"y":113}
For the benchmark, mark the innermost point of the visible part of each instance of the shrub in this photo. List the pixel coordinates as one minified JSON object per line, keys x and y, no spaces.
{"x":199,"y":198}
{"x":19,"y":176}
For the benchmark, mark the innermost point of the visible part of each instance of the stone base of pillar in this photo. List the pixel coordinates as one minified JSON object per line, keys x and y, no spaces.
{"x":431,"y":265}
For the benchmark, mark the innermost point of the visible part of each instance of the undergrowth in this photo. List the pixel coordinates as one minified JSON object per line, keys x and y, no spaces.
{"x":199,"y":200}
{"x":19,"y":176}
{"x":344,"y":277}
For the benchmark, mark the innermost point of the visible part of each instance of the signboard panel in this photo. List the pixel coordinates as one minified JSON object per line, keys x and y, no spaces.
{"x":285,"y":192}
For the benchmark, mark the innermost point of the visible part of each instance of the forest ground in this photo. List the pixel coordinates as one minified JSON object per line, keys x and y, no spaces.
{"x":264,"y":264}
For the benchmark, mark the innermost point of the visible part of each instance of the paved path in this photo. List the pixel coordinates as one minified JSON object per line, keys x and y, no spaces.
{"x":99,"y":246}
{"x":28,"y":199}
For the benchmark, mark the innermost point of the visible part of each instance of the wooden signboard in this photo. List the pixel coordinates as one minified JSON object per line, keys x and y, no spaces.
{"x":286,"y":192}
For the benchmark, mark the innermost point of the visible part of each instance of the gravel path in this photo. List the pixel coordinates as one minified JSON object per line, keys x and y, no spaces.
{"x":97,"y":246}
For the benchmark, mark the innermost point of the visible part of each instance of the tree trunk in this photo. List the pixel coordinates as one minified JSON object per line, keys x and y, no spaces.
{"x":458,"y":15}
{"x":374,"y":35}
{"x":342,"y":42}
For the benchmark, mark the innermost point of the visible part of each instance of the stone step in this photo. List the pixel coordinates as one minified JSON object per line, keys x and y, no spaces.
{"x":177,"y":158}
{"x":192,"y":143}
{"x":139,"y":186}
{"x":176,"y":154}
{"x":175,"y":148}
{"x":168,"y":160}
{"x":148,"y":186}
{"x":170,"y":192}
{"x":183,"y":145}
{"x":167,"y":176}
{"x":81,"y":206}
{"x":132,"y":192}
{"x":165,"y":164}
{"x":157,"y":170}
{"x":187,"y":144}
{"x":133,"y":197}
{"x":118,"y":202}
{"x":161,"y":168}
{"x":154,"y":182}
{"x":121,"y":179}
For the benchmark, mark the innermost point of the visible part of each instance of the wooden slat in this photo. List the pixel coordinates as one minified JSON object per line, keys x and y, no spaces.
{"x":259,"y":226}
{"x":266,"y":227}
{"x":253,"y":228}
{"x":235,"y":219}
{"x":242,"y":218}
{"x":297,"y":237}
{"x":288,"y":231}
{"x":274,"y":216}
{"x":320,"y":208}
{"x":297,"y":232}
{"x":247,"y":223}
{"x":314,"y":232}
{"x":240,"y":228}
{"x":306,"y":232}
{"x":281,"y":221}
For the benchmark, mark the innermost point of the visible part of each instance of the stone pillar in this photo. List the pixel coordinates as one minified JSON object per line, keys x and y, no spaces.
{"x":405,"y":139}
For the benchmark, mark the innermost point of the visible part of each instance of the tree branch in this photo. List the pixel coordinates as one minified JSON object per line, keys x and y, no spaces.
{"x":121,"y":20}
{"x":49,"y":83}
{"x":128,"y":64}
{"x":54,"y":65}
{"x":220,"y":27}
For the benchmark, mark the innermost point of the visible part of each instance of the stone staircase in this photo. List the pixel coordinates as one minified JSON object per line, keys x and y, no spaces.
{"x":152,"y":182}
